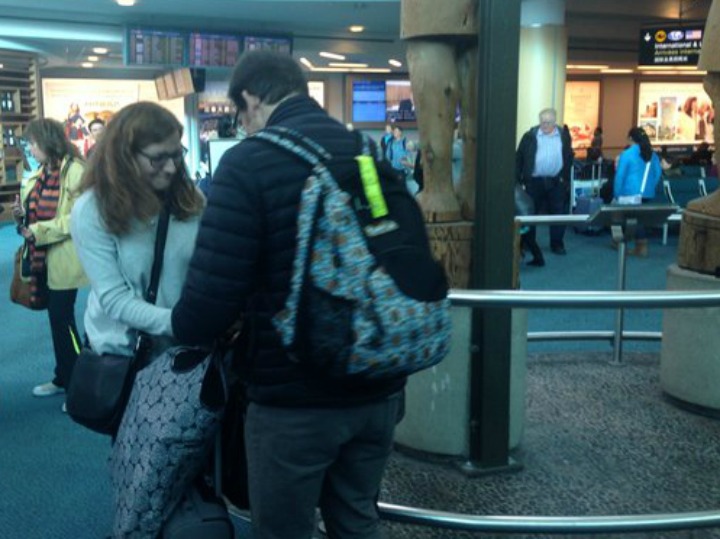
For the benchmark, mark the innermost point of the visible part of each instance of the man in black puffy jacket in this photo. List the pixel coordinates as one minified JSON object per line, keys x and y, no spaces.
{"x":310,"y":442}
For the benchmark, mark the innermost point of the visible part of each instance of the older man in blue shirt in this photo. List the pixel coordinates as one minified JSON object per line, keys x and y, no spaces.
{"x":543,"y":161}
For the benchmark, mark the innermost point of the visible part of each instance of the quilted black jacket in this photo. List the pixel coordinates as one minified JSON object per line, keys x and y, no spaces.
{"x":243,"y":261}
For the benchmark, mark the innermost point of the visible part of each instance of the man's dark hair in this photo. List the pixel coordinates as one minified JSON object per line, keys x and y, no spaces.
{"x":95,"y":121}
{"x":268,"y":75}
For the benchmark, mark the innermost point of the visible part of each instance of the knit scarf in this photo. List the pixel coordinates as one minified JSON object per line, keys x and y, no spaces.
{"x":42,"y":206}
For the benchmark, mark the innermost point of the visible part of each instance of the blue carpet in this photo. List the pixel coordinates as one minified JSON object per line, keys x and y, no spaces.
{"x":53,"y":474}
{"x":592,"y":265}
{"x":54,"y":478}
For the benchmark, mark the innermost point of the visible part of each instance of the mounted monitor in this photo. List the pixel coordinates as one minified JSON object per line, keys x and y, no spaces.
{"x":149,"y":46}
{"x":379,"y":100}
{"x":268,"y":43}
{"x":214,"y":50}
{"x":216,"y":149}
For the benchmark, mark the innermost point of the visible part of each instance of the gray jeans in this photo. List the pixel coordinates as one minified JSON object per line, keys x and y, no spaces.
{"x":301,"y":458}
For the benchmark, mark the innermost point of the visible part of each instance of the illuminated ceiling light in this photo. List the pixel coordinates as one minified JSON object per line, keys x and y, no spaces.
{"x":304,"y":61}
{"x":615,"y":70}
{"x":87,"y":64}
{"x":1,"y":66}
{"x":331,"y":55}
{"x":395,"y":63}
{"x":93,"y":58}
{"x":352,"y":70}
{"x":125,"y":3}
{"x":586,"y":66}
{"x":100,"y":50}
{"x":356,"y":28}
{"x":348,"y":65}
{"x":665,"y":68}
{"x":674,"y":72}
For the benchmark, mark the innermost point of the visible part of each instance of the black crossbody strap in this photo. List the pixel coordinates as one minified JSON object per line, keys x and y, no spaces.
{"x":143,"y":344}
{"x":160,"y":237}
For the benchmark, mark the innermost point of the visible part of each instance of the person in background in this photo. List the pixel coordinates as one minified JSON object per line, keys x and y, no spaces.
{"x":310,"y":442}
{"x":96,"y":128}
{"x":543,"y":161}
{"x":398,"y":152}
{"x":138,"y":170}
{"x":702,"y":156}
{"x":457,"y":159}
{"x":386,"y":138}
{"x":42,"y":214}
{"x":594,"y":152}
{"x":419,"y":172}
{"x":638,"y":164}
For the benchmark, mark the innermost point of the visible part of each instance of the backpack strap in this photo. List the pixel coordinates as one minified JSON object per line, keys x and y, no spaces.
{"x":309,"y":150}
{"x":296,"y":143}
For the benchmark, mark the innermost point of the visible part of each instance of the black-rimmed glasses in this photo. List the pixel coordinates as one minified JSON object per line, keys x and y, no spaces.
{"x":158,"y":161}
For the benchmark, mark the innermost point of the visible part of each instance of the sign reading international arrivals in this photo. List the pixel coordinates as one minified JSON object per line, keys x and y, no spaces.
{"x":671,"y":45}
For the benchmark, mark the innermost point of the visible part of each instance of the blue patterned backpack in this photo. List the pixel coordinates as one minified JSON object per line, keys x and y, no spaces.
{"x":368,"y":301}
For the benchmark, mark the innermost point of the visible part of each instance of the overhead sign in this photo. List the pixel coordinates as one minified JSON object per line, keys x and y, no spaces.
{"x":671,"y":45}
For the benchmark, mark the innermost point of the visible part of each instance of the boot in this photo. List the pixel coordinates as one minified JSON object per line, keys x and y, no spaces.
{"x":641,"y":248}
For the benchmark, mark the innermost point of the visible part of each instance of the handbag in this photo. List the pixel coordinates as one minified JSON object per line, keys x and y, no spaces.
{"x":524,"y":204}
{"x":169,"y":427}
{"x":20,"y":286}
{"x":100,"y":385}
{"x":635,"y":200}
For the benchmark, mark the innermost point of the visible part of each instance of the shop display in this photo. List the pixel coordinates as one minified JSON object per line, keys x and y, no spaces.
{"x":675,"y":112}
{"x":18,"y":105}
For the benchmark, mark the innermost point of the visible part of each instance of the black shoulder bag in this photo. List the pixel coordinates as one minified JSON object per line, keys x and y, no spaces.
{"x":100,"y":385}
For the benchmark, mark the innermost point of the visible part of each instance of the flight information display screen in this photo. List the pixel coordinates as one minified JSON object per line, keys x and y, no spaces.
{"x":268,"y":43}
{"x":368,"y":101}
{"x":214,"y":50}
{"x":155,"y":47}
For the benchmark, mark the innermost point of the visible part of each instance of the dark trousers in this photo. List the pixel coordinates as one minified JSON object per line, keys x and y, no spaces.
{"x":528,"y":244}
{"x":334,"y":458}
{"x":66,"y":343}
{"x":550,"y":196}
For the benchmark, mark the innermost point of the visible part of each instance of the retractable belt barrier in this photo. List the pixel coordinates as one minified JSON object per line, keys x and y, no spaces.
{"x":565,"y":524}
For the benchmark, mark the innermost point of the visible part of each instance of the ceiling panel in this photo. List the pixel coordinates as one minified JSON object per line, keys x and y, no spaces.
{"x":605,"y":28}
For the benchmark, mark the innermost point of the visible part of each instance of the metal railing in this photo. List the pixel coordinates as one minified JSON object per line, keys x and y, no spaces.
{"x":565,"y":524}
{"x":540,"y":524}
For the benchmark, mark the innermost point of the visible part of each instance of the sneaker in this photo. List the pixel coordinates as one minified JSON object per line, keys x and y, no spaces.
{"x":63,"y":408}
{"x":47,"y":390}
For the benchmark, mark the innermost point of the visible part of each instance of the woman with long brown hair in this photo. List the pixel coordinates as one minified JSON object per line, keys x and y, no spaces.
{"x":136,"y":173}
{"x":42,"y":213}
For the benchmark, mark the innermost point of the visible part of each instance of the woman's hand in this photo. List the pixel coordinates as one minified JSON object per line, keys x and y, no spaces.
{"x":26,"y":233}
{"x":18,"y":210}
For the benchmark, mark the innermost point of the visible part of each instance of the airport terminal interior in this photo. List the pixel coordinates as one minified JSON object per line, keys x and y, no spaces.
{"x":580,"y":395}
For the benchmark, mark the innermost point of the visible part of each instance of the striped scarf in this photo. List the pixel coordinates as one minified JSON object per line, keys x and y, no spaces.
{"x":42,"y":206}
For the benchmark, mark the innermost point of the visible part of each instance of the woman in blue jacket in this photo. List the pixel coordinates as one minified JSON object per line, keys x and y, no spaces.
{"x":636,"y":178}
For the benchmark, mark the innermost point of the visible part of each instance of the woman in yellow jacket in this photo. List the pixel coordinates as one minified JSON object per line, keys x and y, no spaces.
{"x":42,"y":214}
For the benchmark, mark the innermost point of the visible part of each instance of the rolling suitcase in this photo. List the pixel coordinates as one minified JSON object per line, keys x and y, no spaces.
{"x":200,"y":514}
{"x":587,"y":205}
